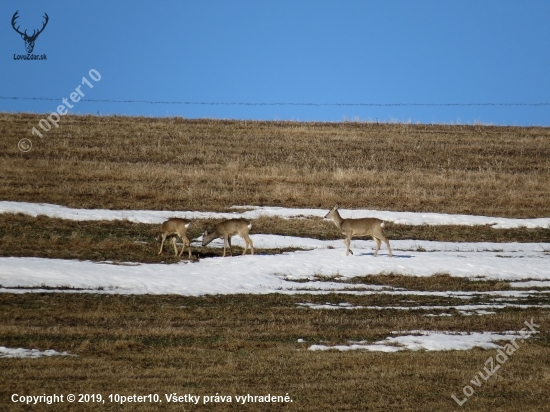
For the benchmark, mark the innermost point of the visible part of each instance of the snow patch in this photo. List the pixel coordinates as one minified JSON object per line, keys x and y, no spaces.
{"x":463,"y":309}
{"x":531,"y":284}
{"x":28,"y":353}
{"x":430,"y":341}
{"x":254,"y":212}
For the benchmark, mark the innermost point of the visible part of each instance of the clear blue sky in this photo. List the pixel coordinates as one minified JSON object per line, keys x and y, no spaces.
{"x":267,"y":51}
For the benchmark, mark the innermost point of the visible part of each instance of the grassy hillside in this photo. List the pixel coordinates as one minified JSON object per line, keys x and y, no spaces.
{"x":172,"y":163}
{"x":249,"y":344}
{"x":258,"y":344}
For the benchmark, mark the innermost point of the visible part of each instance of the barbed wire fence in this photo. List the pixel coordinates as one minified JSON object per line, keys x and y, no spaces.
{"x":190,"y":103}
{"x":25,"y":144}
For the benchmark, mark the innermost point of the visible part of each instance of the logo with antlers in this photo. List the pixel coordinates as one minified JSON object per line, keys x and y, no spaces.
{"x":29,"y":40}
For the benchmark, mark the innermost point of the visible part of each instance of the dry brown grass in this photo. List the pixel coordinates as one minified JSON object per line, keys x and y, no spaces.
{"x":438,"y":282}
{"x":147,"y":163}
{"x":248,"y":344}
{"x":119,"y":241}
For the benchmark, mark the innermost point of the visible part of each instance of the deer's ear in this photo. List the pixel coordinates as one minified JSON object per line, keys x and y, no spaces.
{"x":335,"y":206}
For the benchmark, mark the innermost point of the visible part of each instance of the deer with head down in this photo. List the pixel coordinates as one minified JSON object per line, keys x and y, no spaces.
{"x":229,"y":228}
{"x":368,"y":226}
{"x":175,"y":227}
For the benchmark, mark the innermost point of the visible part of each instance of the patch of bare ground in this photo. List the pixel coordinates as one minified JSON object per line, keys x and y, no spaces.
{"x":234,"y":345}
{"x":437,"y":282}
{"x":116,"y":241}
{"x":173,"y":164}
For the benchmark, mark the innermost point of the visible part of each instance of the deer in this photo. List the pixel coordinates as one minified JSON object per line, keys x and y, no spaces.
{"x":229,"y":228}
{"x":368,"y":226}
{"x":175,"y":227}
{"x":29,"y":40}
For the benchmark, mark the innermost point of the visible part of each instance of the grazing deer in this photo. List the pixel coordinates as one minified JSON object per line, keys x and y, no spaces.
{"x":368,"y":226}
{"x":229,"y":228}
{"x":175,"y":227}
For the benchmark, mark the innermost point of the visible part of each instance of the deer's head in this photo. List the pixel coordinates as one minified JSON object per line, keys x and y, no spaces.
{"x":29,"y":40}
{"x":332,"y":212}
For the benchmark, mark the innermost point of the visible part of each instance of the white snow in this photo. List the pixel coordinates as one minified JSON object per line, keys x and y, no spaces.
{"x":526,"y":264}
{"x":481,"y":312}
{"x":276,"y":241}
{"x":253,"y":212}
{"x":463,"y":309}
{"x":267,"y":273}
{"x":272,"y":273}
{"x":531,"y":284}
{"x":28,"y":353}
{"x":405,"y":218}
{"x":438,"y":315}
{"x":430,"y":341}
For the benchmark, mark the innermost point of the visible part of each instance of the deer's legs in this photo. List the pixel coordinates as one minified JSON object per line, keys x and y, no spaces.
{"x":224,"y":245}
{"x":175,"y":247}
{"x":162,"y":243}
{"x":347,"y":241}
{"x":378,"y":243}
{"x":188,"y":243}
{"x":247,"y":242}
{"x":388,"y":243}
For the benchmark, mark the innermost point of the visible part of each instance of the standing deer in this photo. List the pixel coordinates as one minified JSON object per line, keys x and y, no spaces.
{"x":368,"y":226}
{"x":175,"y":227}
{"x":229,"y":228}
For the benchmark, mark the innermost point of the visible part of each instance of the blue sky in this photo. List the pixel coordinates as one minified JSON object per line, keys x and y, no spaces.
{"x":287,"y":51}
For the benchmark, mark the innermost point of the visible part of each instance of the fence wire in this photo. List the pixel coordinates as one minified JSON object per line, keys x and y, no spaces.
{"x":189,"y":103}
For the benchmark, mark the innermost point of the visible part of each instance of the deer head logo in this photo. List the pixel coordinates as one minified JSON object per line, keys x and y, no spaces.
{"x":29,"y":40}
